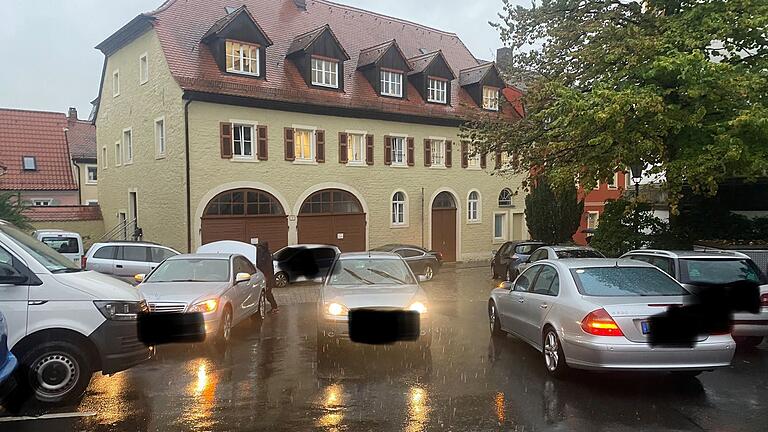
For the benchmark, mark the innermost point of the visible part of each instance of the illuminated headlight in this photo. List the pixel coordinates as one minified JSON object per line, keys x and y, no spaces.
{"x":418,"y":307}
{"x":206,"y":306}
{"x":336,"y":309}
{"x":120,"y":310}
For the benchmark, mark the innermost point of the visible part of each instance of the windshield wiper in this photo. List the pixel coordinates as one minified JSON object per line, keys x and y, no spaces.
{"x":184,"y":280}
{"x":387,"y":275}
{"x":66,"y":270}
{"x":358,"y":277}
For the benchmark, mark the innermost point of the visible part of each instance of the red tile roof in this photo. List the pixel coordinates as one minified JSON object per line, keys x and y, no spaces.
{"x":39,"y":134}
{"x":81,"y":137}
{"x":63,"y":213}
{"x":181,"y":25}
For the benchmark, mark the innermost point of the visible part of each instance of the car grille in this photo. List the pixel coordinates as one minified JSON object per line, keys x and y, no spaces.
{"x":167,"y":307}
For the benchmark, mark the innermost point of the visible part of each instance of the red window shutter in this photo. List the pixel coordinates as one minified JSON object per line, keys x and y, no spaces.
{"x":483,"y":159}
{"x":427,"y":152}
{"x":289,"y":149}
{"x":343,"y":152}
{"x":411,"y":152}
{"x":464,"y":154}
{"x":498,"y":160}
{"x":387,"y":150}
{"x":263,"y":144}
{"x":448,"y":154}
{"x":320,"y":146}
{"x":369,"y":149}
{"x":226,"y":140}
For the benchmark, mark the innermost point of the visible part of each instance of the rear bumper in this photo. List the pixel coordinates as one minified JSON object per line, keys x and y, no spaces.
{"x":119,"y":346}
{"x":751,"y":324}
{"x":705,"y":355}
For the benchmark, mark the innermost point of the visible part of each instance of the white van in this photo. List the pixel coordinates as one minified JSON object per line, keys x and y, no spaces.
{"x":64,"y":323}
{"x":67,"y":243}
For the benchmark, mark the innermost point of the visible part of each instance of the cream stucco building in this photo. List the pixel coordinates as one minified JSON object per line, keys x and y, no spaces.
{"x":283,"y":122}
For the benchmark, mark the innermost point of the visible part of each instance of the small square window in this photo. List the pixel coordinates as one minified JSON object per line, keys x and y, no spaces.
{"x":242,"y":58}
{"x":242,"y":141}
{"x":42,"y":202}
{"x":143,"y":69}
{"x":304,"y":144}
{"x":391,"y":83}
{"x":30,"y":164}
{"x":398,"y":151}
{"x":356,"y":149}
{"x":116,"y":83}
{"x":437,"y":90}
{"x":438,"y":153}
{"x":325,"y":73}
{"x":92,"y":174}
{"x":491,"y":98}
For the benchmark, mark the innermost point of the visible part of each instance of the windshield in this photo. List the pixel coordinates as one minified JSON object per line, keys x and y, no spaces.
{"x":42,"y":253}
{"x":625,"y":282}
{"x":579,"y":253}
{"x":191,"y":270}
{"x":370,"y":271}
{"x":719,"y":271}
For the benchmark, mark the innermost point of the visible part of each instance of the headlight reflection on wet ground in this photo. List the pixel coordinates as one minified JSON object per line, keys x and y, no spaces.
{"x":202,"y":395}
{"x":418,"y":409}
{"x":333,"y":407}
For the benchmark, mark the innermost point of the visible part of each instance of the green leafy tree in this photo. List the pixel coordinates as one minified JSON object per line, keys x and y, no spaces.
{"x":678,"y":85}
{"x":553,"y":215}
{"x":11,"y":210}
{"x":626,"y":225}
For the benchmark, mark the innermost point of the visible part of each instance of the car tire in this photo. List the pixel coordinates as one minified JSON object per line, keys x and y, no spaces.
{"x":748,"y":341}
{"x":281,"y":280}
{"x":493,"y":320}
{"x":54,"y":372}
{"x":553,"y":355}
{"x":225,"y":327}
{"x":261,"y":308}
{"x":429,"y":272}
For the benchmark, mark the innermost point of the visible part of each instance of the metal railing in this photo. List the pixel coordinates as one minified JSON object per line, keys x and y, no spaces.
{"x":125,"y":230}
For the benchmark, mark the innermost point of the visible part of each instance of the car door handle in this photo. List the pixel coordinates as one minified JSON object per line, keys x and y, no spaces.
{"x":543,"y":306}
{"x":119,"y":265}
{"x":520,"y":300}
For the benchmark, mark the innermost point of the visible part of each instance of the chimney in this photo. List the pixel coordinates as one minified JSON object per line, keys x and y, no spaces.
{"x":504,"y":59}
{"x":301,"y":4}
{"x":72,"y":115}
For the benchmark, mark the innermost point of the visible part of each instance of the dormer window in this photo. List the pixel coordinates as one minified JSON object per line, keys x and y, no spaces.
{"x":391,"y":83}
{"x":242,"y":58}
{"x":437,"y":90}
{"x":325,"y":72}
{"x":491,"y":98}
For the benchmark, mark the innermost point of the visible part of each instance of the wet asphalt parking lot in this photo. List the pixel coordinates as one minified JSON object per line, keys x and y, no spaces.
{"x":274,"y":377}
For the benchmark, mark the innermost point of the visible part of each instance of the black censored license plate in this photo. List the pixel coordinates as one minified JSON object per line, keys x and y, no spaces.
{"x":375,"y":326}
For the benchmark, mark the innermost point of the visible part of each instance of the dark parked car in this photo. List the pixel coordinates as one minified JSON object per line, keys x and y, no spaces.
{"x":421,"y":261}
{"x":557,"y":252}
{"x":510,"y":254}
{"x":307,"y":262}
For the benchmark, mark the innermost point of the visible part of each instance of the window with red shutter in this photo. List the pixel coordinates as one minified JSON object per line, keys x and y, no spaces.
{"x":387,"y":150}
{"x":226,"y":140}
{"x":263,"y":150}
{"x":320,"y":145}
{"x":411,"y":152}
{"x":427,"y":152}
{"x":343,"y":152}
{"x":369,"y":149}
{"x":448,"y":154}
{"x":289,"y":150}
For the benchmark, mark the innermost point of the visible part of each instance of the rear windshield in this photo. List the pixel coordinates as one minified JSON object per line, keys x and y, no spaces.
{"x":719,"y":271}
{"x":526,"y":249}
{"x":284,"y":254}
{"x":625,"y":282}
{"x":579,"y":253}
{"x":62,"y":244}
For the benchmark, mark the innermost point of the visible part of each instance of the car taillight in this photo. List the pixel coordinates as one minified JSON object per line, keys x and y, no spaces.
{"x":83,"y":260}
{"x":600,"y":323}
{"x":764,"y":300}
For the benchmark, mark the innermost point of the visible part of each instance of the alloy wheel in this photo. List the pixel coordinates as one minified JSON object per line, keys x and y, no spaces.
{"x":551,"y":351}
{"x":281,"y":280}
{"x":492,"y":317}
{"x":227,"y":333}
{"x":429,"y":273}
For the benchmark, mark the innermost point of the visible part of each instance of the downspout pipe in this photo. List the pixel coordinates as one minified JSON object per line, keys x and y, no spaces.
{"x":188,"y":186}
{"x":79,"y":184}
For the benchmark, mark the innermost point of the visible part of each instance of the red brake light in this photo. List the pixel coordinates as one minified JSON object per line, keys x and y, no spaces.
{"x":764,"y":300}
{"x":83,"y":260}
{"x":600,"y":323}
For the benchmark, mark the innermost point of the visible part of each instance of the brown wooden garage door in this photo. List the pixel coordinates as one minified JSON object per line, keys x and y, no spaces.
{"x":333,"y":216}
{"x":444,"y":226}
{"x":245,"y":214}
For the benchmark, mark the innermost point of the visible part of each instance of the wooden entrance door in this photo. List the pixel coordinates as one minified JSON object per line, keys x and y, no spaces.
{"x":444,"y":226}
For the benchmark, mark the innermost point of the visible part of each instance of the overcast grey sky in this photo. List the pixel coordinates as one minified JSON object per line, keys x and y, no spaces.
{"x":49,"y":62}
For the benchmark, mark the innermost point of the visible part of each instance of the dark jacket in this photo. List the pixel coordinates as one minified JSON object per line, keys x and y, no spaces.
{"x":264,"y":263}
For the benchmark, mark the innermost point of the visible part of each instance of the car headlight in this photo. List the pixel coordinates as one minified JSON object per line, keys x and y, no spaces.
{"x":205,"y":306}
{"x":336,"y":309}
{"x":418,"y":307}
{"x":121,"y":310}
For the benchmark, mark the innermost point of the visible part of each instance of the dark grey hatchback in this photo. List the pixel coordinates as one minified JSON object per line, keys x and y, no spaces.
{"x":421,"y":261}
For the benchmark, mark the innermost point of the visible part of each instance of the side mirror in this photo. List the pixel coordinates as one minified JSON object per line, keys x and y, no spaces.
{"x":139,"y":277}
{"x":422,"y":278}
{"x":242,"y":277}
{"x":507,"y":285}
{"x":17,"y":279}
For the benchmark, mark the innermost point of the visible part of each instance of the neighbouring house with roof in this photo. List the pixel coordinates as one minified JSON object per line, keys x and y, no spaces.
{"x":594,"y":203}
{"x":50,"y":164}
{"x":294,"y":121}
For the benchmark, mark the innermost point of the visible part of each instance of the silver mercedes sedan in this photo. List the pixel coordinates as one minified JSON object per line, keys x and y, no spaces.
{"x":593,"y":314}
{"x":371,"y":280}
{"x":225,"y":288}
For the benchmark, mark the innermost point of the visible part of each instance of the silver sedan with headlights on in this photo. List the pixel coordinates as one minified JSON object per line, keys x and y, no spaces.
{"x":225,"y":288}
{"x":594,"y":314}
{"x":369,"y":280}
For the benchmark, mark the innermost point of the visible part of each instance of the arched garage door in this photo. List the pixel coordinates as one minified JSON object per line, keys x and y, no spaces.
{"x":333,"y":216}
{"x":245,"y":214}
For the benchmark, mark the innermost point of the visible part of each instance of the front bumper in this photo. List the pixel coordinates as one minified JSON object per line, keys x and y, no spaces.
{"x":338,"y":327}
{"x":119,"y":346}
{"x":590,"y":354}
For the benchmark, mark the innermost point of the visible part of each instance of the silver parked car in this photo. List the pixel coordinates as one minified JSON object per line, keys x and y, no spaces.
{"x":593,"y":314}
{"x":721,"y":267}
{"x":126,"y":258}
{"x":558,"y":252}
{"x":225,"y":288}
{"x":377,"y":280}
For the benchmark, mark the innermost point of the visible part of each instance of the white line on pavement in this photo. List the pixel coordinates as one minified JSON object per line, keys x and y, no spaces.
{"x":49,"y":416}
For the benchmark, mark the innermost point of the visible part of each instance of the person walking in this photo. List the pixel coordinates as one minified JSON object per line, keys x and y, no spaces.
{"x":264,"y":264}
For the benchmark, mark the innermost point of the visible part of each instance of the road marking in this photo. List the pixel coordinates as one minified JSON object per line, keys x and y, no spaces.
{"x":49,"y":416}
